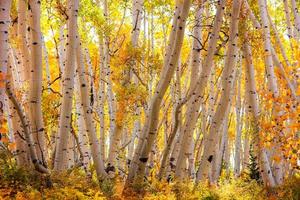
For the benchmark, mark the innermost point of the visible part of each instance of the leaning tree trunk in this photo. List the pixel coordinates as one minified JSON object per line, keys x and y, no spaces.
{"x":25,"y":125}
{"x":296,"y":18}
{"x":270,"y":75}
{"x":134,"y":162}
{"x":21,"y":148}
{"x":88,"y":116}
{"x":150,"y":128}
{"x":67,"y":88}
{"x":288,"y":19}
{"x":193,"y":105}
{"x":197,"y":93}
{"x":227,"y":78}
{"x":254,"y":109}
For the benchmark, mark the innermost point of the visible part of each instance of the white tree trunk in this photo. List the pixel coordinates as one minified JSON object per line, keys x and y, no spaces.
{"x":193,"y":105}
{"x":21,"y":149}
{"x":67,"y":88}
{"x":88,"y":115}
{"x":288,"y":19}
{"x":82,"y":134}
{"x":296,"y":18}
{"x":227,"y":79}
{"x":254,"y":109}
{"x":150,"y":127}
{"x":238,"y":136}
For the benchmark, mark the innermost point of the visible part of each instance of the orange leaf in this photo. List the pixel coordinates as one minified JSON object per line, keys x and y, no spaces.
{"x":3,"y":130}
{"x":2,"y":85}
{"x":4,"y":140}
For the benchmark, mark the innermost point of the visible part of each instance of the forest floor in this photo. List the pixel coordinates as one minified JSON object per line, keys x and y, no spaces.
{"x":23,"y":185}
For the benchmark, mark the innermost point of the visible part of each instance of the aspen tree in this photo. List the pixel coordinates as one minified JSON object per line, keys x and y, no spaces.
{"x":107,"y":70}
{"x":4,"y":29}
{"x":270,"y":75}
{"x":135,"y":160}
{"x":101,"y":98}
{"x":254,"y":109}
{"x":82,"y":133}
{"x":197,"y":93}
{"x":25,"y":125}
{"x":61,"y":49}
{"x":238,"y":113}
{"x":220,"y":155}
{"x":67,"y":87}
{"x":137,"y":14}
{"x":22,"y":42}
{"x":176,"y":122}
{"x":193,"y":105}
{"x":289,"y":28}
{"x":246,"y":145}
{"x":296,"y":18}
{"x":17,"y":131}
{"x":46,"y":60}
{"x":227,"y":78}
{"x":278,"y":41}
{"x":288,"y":19}
{"x":222,"y":144}
{"x":272,"y":83}
{"x":36,"y":78}
{"x":87,"y":114}
{"x":150,"y":127}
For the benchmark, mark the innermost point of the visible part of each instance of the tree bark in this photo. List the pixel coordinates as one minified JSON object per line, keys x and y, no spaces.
{"x":87,"y":115}
{"x":67,"y":88}
{"x":254,"y":109}
{"x":227,"y":78}
{"x":4,"y":28}
{"x":36,"y":78}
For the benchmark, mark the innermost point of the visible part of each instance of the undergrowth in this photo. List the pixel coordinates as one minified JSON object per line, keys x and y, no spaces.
{"x":21,"y":184}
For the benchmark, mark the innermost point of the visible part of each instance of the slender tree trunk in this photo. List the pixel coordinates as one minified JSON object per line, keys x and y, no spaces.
{"x":246,"y":147}
{"x":22,"y":41}
{"x":193,"y":105}
{"x":238,"y":136}
{"x":150,"y":127}
{"x":296,"y":18}
{"x":46,"y":61}
{"x":25,"y":125}
{"x":272,"y":83}
{"x":36,"y":78}
{"x":254,"y":109}
{"x":134,"y":163}
{"x":67,"y":88}
{"x":101,"y":98}
{"x":4,"y":28}
{"x":82,"y":133}
{"x":21,"y":149}
{"x":227,"y":78}
{"x":278,"y":41}
{"x":88,"y":115}
{"x":271,"y":78}
{"x":220,"y":156}
{"x":288,"y":19}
